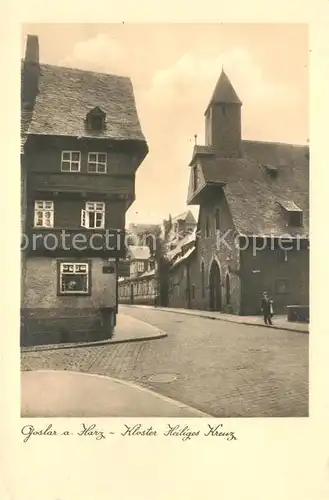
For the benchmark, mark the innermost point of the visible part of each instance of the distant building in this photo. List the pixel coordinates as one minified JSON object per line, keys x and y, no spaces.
{"x":143,"y":235}
{"x":181,"y":225}
{"x":140,"y":260}
{"x":143,"y":285}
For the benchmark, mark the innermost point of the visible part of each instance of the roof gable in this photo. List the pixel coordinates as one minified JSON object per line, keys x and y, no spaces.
{"x":187,"y":216}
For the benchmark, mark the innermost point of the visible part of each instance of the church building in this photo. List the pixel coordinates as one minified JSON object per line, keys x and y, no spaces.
{"x":253,"y":227}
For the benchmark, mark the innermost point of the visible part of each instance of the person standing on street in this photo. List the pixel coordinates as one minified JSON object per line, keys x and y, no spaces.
{"x":267,"y":309}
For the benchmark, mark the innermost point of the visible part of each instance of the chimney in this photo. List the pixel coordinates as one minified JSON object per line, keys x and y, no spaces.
{"x":31,"y":72}
{"x":32,"y":49}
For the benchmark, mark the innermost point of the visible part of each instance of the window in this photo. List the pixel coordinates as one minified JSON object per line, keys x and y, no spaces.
{"x":96,"y":122}
{"x":296,"y":219}
{"x":207,"y":232}
{"x":223,"y":110}
{"x":140,"y":266}
{"x":282,"y":286}
{"x":94,"y":215}
{"x":217,"y":219}
{"x":96,"y":119}
{"x":43,"y":213}
{"x":74,"y":278}
{"x":203,"y":283}
{"x":71,"y":161}
{"x":195,"y":177}
{"x":193,"y":291}
{"x":228,"y":289}
{"x":97,"y":163}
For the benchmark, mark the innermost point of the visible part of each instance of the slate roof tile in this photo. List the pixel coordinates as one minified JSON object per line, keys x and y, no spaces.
{"x":66,"y":95}
{"x":253,"y":195}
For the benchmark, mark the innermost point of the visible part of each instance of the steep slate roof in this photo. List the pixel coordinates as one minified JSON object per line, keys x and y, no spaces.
{"x":185,"y":242}
{"x":224,"y":92}
{"x":185,"y":256}
{"x":254,"y":197}
{"x":66,"y":95}
{"x":200,"y":150}
{"x":139,"y":252}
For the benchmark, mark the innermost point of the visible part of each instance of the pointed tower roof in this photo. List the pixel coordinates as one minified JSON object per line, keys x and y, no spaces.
{"x":224,"y":92}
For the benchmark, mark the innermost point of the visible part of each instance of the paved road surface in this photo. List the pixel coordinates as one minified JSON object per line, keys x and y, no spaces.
{"x":223,"y":369}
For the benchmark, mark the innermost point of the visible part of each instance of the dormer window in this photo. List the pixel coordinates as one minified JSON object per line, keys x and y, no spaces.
{"x":296,"y":218}
{"x":293,"y":213}
{"x":270,"y":170}
{"x":96,"y":120}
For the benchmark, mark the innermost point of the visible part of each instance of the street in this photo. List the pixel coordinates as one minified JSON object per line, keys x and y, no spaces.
{"x":220,"y":368}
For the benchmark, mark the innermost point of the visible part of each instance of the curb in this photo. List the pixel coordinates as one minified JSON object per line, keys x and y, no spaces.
{"x":55,"y":347}
{"x":216,"y":318}
{"x":137,"y":387}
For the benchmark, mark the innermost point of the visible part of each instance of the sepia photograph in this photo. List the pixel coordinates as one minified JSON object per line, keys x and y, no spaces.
{"x":164,"y":220}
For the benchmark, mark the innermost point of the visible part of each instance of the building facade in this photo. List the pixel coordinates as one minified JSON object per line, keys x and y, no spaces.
{"x":82,"y":144}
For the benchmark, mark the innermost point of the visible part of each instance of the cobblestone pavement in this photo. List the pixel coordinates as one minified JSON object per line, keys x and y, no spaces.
{"x":224,"y":369}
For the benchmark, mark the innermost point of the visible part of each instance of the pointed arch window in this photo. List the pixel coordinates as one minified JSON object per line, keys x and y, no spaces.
{"x":228,"y":289}
{"x":203,"y":280}
{"x":217,"y":219}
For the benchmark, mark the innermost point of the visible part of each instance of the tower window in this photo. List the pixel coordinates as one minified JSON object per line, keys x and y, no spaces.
{"x":223,"y":110}
{"x":195,"y":177}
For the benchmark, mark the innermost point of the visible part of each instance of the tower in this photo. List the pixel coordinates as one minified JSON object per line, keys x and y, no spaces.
{"x":223,"y":119}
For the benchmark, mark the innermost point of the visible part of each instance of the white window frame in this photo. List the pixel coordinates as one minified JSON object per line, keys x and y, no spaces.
{"x":43,"y":207}
{"x":70,"y":161}
{"x":140,"y":266}
{"x":74,"y":269}
{"x":97,"y":163}
{"x":96,"y":207}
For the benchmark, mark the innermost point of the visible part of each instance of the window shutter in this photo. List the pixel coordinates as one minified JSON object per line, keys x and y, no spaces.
{"x":83,"y":218}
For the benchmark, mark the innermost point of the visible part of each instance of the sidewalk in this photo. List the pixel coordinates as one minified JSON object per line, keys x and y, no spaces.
{"x":279,"y":322}
{"x":128,"y":329}
{"x":70,"y":394}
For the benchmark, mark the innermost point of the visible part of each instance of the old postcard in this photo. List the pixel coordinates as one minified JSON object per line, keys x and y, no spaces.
{"x":165,"y":292}
{"x":165,"y":221}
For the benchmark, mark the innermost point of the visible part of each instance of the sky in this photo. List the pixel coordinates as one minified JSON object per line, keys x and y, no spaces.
{"x":174,"y":69}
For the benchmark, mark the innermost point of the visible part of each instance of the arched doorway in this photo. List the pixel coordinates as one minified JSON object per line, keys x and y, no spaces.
{"x":215,"y":292}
